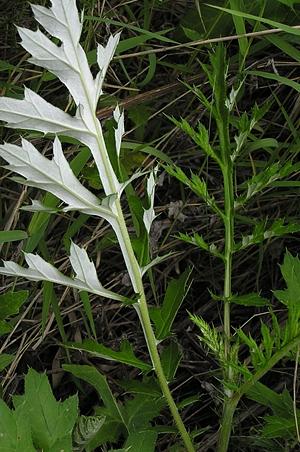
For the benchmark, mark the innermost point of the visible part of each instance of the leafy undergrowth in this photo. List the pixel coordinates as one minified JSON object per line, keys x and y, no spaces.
{"x":92,"y":348}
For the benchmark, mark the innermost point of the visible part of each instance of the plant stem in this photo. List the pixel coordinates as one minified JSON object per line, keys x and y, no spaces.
{"x":229,"y":246}
{"x":228,"y":218}
{"x":143,"y":312}
{"x":226,"y":424}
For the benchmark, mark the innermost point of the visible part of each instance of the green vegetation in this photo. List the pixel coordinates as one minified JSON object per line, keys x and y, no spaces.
{"x":159,"y":271}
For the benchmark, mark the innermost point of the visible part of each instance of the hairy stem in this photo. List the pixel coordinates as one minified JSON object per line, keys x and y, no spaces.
{"x":229,"y":245}
{"x":229,"y":406}
{"x":226,"y":424}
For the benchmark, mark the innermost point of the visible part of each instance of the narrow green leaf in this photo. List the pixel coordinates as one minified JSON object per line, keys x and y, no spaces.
{"x":240,"y":26}
{"x":151,"y":70}
{"x":92,"y":376}
{"x":250,"y":299}
{"x":283,"y":44}
{"x":279,"y":427}
{"x":125,"y":355}
{"x":84,"y":296}
{"x":50,"y":299}
{"x":12,"y":236}
{"x":272,"y":23}
{"x":170,"y":359}
{"x":158,"y":36}
{"x":278,"y":78}
{"x":164,"y":317}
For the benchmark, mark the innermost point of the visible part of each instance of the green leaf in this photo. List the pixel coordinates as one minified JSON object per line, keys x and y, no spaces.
{"x":109,"y":432}
{"x":5,"y":360}
{"x":272,"y":23}
{"x":164,"y":317}
{"x":154,"y":35}
{"x":170,"y":359}
{"x":14,"y":430}
{"x":290,"y":297}
{"x":148,"y":387}
{"x":283,"y":44}
{"x":146,"y":149}
{"x":51,"y":422}
{"x":85,"y":431}
{"x":267,"y":176}
{"x":144,"y":440}
{"x":240,"y":26}
{"x":263,"y":143}
{"x":12,"y":236}
{"x":198,"y":240}
{"x":196,"y":184}
{"x":139,"y":411}
{"x":279,"y":427}
{"x":125,"y":355}
{"x":92,"y":376}
{"x":84,"y":296}
{"x":263,"y":232}
{"x":5,"y":327}
{"x":258,"y":358}
{"x":250,"y":299}
{"x":278,"y":78}
{"x":289,"y":3}
{"x":11,"y":302}
{"x":280,"y":404}
{"x":50,"y":299}
{"x":200,"y":137}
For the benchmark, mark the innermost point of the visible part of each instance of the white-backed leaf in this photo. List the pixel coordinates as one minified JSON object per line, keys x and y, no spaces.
{"x":149,"y":214}
{"x":58,"y":19}
{"x":84,"y":269}
{"x":67,"y":61}
{"x":120,"y":130}
{"x":104,"y":57}
{"x":54,"y":175}
{"x":35,"y":113}
{"x":40,"y":270}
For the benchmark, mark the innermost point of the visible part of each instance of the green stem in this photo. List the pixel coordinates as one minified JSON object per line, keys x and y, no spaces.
{"x":228,"y":218}
{"x":143,"y":312}
{"x":228,"y":252}
{"x":226,"y":424}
